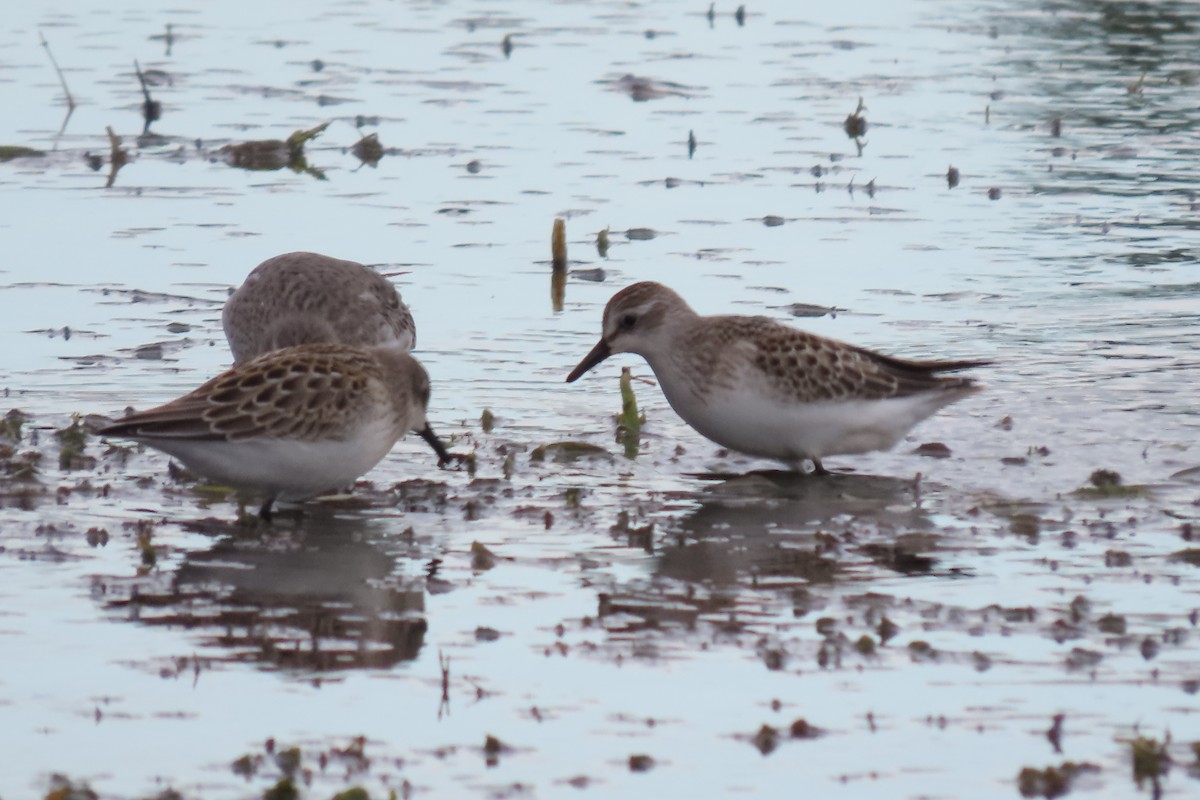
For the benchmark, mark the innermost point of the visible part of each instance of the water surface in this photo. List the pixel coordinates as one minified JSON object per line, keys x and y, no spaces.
{"x":928,"y":617}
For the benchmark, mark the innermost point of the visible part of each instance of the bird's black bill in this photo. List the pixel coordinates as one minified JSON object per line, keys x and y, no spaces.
{"x":600,"y":352}
{"x":431,"y":438}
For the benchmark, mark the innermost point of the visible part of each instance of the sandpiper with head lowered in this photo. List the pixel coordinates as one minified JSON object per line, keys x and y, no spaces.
{"x":292,"y":423}
{"x":766,"y":389}
{"x":309,"y":298}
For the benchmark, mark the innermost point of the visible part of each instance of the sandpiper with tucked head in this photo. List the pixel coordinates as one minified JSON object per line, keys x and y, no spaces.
{"x":766,"y":389}
{"x":309,"y":298}
{"x":292,"y":423}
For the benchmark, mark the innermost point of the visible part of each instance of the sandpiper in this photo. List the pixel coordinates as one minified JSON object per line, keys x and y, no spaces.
{"x":292,"y":423}
{"x":309,"y":298}
{"x":766,"y":389}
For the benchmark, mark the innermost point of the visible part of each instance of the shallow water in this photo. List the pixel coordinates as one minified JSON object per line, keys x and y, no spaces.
{"x":671,"y":605}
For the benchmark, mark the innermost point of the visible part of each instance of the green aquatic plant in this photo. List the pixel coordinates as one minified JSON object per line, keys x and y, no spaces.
{"x":1051,"y":782}
{"x":272,"y":154}
{"x":63,"y":788}
{"x":353,"y":793}
{"x":629,"y":421}
{"x":10,"y":426}
{"x":1190,"y":555}
{"x":71,"y":441}
{"x":1106,"y":483}
{"x":1150,"y":761}
{"x":145,"y":545}
{"x":284,"y":790}
{"x":10,"y":151}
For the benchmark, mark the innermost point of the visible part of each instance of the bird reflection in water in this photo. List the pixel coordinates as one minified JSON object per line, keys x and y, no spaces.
{"x":323,"y":596}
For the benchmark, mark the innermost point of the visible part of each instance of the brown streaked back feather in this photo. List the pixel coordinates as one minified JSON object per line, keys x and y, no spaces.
{"x":264,"y":398}
{"x":809,"y":368}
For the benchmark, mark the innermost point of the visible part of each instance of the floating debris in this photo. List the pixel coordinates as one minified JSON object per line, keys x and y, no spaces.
{"x":482,"y":559}
{"x":506,"y":45}
{"x":641,"y":89}
{"x":1054,"y":735}
{"x":602,"y":243}
{"x":740,"y":16}
{"x":567,"y":452}
{"x":640,"y":763}
{"x":800,"y":729}
{"x":487,"y":420}
{"x":766,"y":740}
{"x":592,"y":274}
{"x":933,"y":450}
{"x":856,"y":124}
{"x":271,"y":154}
{"x":811,"y":310}
{"x":691,"y":143}
{"x":368,"y":150}
{"x":640,"y":234}
{"x":952,"y":177}
{"x":773,"y":221}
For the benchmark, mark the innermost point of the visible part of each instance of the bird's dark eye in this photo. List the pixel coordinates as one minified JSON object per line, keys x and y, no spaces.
{"x":628,"y":321}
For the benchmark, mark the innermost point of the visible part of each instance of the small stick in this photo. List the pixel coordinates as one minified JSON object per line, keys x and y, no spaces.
{"x":444,"y":665}
{"x":558,"y":245}
{"x":151,"y":109}
{"x":62,"y":78}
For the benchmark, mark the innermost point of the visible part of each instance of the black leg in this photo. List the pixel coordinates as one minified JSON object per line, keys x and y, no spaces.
{"x":264,"y":513}
{"x":819,"y":468}
{"x":431,"y":438}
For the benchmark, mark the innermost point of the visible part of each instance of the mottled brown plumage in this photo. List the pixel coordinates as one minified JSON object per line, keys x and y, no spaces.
{"x":767,"y":389}
{"x":293,"y":422}
{"x":309,"y":298}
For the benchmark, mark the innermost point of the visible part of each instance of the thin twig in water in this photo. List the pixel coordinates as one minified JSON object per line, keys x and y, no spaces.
{"x":444,"y":664}
{"x":117,"y":157}
{"x":62,"y":78}
{"x":151,"y":109}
